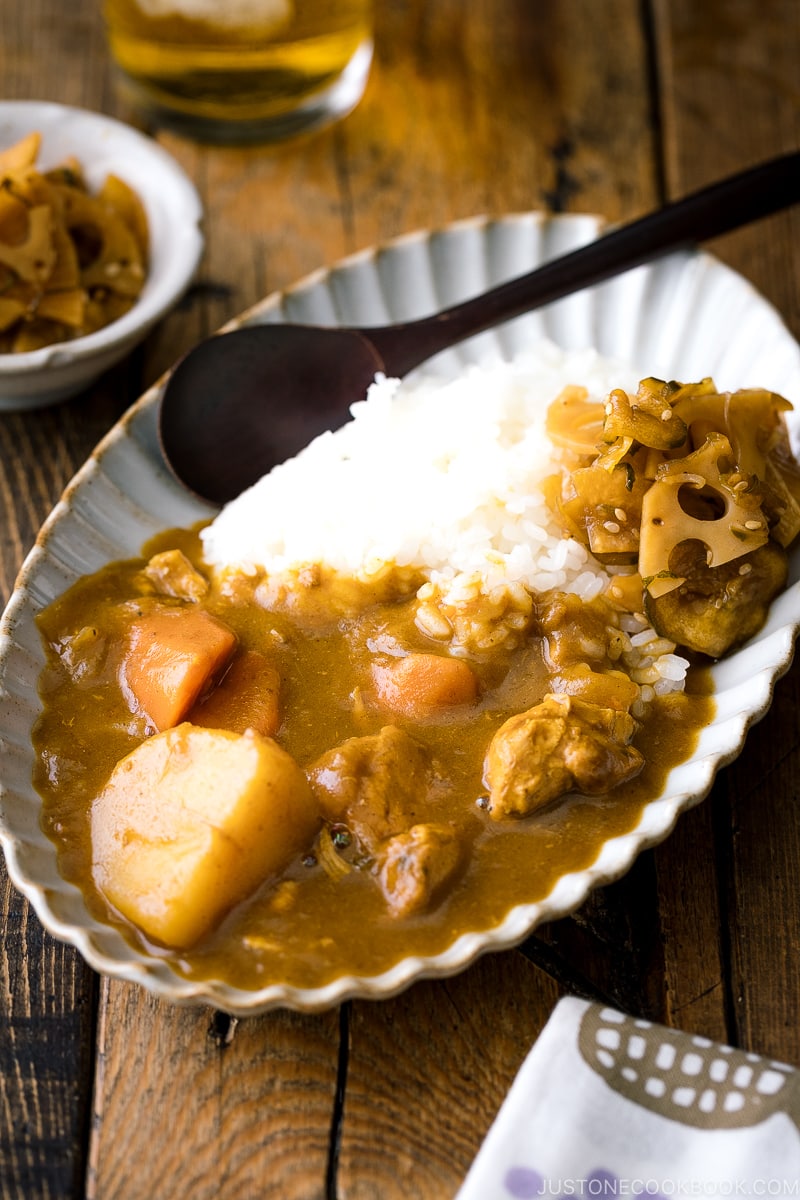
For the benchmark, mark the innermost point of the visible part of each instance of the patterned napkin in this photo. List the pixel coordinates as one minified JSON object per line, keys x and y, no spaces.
{"x":609,"y":1106}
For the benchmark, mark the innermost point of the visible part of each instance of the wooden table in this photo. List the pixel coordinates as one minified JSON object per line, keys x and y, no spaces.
{"x":487,"y":106}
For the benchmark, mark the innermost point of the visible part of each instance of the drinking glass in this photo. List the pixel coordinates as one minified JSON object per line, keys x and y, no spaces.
{"x":241,"y":70}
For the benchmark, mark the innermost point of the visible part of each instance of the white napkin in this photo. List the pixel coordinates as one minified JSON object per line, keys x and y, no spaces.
{"x":609,"y":1106}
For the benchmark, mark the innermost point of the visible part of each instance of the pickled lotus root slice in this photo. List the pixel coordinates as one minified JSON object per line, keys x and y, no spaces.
{"x":603,"y":509}
{"x":574,"y":421}
{"x":67,"y":306}
{"x":66,"y":273}
{"x":30,"y":222}
{"x":695,"y":499}
{"x":33,"y":258}
{"x":647,"y":418}
{"x":116,"y":194}
{"x":21,"y":155}
{"x":70,"y":262}
{"x":10,"y":312}
{"x":108,"y":251}
{"x":750,"y":418}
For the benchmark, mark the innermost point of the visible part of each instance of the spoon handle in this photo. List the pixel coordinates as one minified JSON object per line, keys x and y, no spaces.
{"x":705,"y":214}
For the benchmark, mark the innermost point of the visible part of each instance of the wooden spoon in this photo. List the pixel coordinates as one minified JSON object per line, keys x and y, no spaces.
{"x":243,"y":401}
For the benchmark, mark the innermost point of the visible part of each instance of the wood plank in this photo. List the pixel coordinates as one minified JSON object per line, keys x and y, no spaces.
{"x":46,"y":1046}
{"x":428,"y":1072}
{"x":51,"y":51}
{"x":47,"y":994}
{"x":494,"y":114}
{"x":729,"y":99}
{"x":190,"y":1106}
{"x":696,"y":979}
{"x":764,"y":867}
{"x":612,"y":948}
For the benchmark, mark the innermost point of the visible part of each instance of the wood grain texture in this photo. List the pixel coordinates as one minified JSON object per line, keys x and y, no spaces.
{"x":47,"y":995}
{"x":428,"y":1072}
{"x":196,"y":1108}
{"x":46,"y":1051}
{"x":729,"y":99}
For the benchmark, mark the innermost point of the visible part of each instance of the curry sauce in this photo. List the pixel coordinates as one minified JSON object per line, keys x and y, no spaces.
{"x":326,"y":914}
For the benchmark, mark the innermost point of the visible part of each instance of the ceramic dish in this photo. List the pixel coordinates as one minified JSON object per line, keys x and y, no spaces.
{"x":686,"y":316}
{"x":104,"y":146}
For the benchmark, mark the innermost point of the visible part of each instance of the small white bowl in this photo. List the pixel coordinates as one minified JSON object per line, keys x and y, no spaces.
{"x":104,"y":146}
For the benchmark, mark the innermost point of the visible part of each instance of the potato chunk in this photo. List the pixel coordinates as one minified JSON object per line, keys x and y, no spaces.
{"x":191,"y":822}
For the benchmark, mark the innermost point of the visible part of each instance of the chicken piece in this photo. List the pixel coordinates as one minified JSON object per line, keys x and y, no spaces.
{"x":716,"y":608}
{"x":172,"y":574}
{"x":376,"y":785}
{"x":560,"y":745}
{"x":415,"y":866}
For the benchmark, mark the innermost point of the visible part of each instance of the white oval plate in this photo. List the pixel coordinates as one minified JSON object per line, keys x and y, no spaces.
{"x":685,"y":317}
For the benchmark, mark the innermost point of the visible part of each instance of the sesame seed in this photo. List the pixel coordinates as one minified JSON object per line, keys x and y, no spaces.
{"x":666,"y":414}
{"x":752,"y":524}
{"x":620,"y":514}
{"x":745,"y":568}
{"x":611,"y":526}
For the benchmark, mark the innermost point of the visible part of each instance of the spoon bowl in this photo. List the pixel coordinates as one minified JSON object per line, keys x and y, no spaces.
{"x":241,"y":402}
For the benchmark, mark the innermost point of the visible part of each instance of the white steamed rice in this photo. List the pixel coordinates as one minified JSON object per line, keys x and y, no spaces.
{"x":444,"y":477}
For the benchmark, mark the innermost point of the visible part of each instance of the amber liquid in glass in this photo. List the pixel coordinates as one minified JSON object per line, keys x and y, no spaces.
{"x":278,"y":65}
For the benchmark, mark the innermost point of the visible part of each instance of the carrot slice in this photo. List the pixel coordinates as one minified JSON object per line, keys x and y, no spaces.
{"x":173,"y":655}
{"x":420,"y":685}
{"x":247,"y":697}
